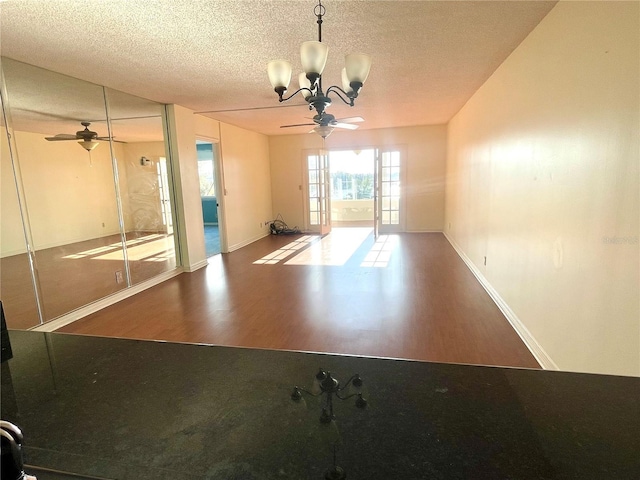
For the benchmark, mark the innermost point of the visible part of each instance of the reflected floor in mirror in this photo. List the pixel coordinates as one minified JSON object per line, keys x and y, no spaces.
{"x":76,"y":274}
{"x":402,"y":296}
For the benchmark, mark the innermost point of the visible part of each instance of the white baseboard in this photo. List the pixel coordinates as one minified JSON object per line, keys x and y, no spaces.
{"x":532,"y":344}
{"x":238,"y":246}
{"x":196,"y":266}
{"x":106,"y":301}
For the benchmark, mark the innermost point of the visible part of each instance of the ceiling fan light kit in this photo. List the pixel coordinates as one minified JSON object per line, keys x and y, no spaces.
{"x":88,"y":145}
{"x":313,"y":56}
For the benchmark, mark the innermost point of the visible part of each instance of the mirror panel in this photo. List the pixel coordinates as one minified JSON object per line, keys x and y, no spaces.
{"x":80,"y":203}
{"x":69,"y":192}
{"x":144,"y":183}
{"x":16,"y":281}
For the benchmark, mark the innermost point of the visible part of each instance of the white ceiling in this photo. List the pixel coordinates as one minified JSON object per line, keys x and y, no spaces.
{"x":429,"y":57}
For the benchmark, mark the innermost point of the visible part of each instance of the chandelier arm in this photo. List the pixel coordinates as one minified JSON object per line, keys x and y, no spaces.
{"x":348,"y":396}
{"x":339,"y":92}
{"x":309,"y":393}
{"x":353,"y":377}
{"x":295,"y":93}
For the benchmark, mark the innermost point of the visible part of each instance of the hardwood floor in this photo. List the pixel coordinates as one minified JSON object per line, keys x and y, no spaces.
{"x":79,"y":273}
{"x":424,"y":305}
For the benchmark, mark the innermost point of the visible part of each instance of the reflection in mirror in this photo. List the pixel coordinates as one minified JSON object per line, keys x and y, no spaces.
{"x":68,"y":191}
{"x":77,"y":213}
{"x":144,"y":184}
{"x":15,"y":272}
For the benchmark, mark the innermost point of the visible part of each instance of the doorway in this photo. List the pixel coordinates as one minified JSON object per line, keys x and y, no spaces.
{"x":206,"y":151}
{"x":352,"y":187}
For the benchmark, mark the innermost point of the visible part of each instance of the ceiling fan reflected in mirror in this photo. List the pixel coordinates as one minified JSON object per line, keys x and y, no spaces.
{"x":325,"y":123}
{"x":88,"y":139}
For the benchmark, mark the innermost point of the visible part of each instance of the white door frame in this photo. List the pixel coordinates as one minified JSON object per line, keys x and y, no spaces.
{"x":322,"y":187}
{"x":384,"y":228}
{"x":221,"y":192}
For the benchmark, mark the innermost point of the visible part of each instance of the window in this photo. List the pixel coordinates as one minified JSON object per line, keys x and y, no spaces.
{"x":205,"y":170}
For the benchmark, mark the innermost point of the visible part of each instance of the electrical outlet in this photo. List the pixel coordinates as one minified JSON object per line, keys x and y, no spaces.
{"x":485,"y":261}
{"x":119,"y":277}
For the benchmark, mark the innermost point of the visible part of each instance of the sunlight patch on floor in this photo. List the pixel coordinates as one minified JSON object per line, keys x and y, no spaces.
{"x":380,"y":252}
{"x":334,"y":249}
{"x":287,"y":250}
{"x":114,"y":247}
{"x":155,"y":251}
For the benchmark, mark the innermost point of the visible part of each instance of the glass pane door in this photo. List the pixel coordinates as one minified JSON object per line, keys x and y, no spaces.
{"x":390,"y":214}
{"x":318,"y":212}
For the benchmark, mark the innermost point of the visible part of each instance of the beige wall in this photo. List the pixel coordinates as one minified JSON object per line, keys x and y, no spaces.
{"x":244,"y":159}
{"x":542,"y":179}
{"x":425,"y":148}
{"x":247,"y":173}
{"x":207,"y":128}
{"x":69,"y":198}
{"x":11,"y":233}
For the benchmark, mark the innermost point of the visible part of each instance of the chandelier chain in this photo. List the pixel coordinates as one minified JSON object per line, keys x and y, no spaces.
{"x":319,"y":12}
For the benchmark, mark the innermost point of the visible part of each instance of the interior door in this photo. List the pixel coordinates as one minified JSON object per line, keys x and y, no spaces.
{"x":318,"y":201}
{"x":389,"y":208}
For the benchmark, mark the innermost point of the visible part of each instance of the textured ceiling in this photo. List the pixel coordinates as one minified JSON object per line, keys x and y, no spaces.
{"x":429,"y":57}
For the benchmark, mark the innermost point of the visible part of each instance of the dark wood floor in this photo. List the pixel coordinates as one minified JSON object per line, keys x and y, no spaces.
{"x":424,"y":305}
{"x":76,"y":274}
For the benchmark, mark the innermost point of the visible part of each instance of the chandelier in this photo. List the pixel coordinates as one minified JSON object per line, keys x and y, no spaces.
{"x":314,"y":58}
{"x":329,"y":388}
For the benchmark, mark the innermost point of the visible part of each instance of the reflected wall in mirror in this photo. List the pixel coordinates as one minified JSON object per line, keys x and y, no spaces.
{"x":16,"y":280}
{"x":90,"y":204}
{"x":144,"y":183}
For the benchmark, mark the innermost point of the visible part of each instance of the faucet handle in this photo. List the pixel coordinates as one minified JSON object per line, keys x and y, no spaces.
{"x":11,"y":446}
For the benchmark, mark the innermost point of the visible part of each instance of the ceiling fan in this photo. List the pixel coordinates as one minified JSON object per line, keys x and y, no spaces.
{"x":87,"y":138}
{"x":324,"y":124}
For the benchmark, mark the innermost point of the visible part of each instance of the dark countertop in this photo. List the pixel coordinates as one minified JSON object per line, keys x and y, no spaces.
{"x":130,"y":409}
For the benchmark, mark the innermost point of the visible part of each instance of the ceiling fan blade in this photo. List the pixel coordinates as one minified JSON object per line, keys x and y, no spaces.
{"x":62,"y":136}
{"x":106,"y":139}
{"x":350,"y":120}
{"x":346,"y":126}
{"x":298,"y":125}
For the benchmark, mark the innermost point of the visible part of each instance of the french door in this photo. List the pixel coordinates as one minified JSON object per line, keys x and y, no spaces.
{"x":389,"y":199}
{"x":389,"y":216}
{"x":318,"y":201}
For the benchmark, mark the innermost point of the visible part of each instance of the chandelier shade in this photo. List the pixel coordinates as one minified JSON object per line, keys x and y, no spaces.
{"x":305,"y":85}
{"x":279,"y":72}
{"x":313,"y":56}
{"x":346,"y":85}
{"x":357,"y":66}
